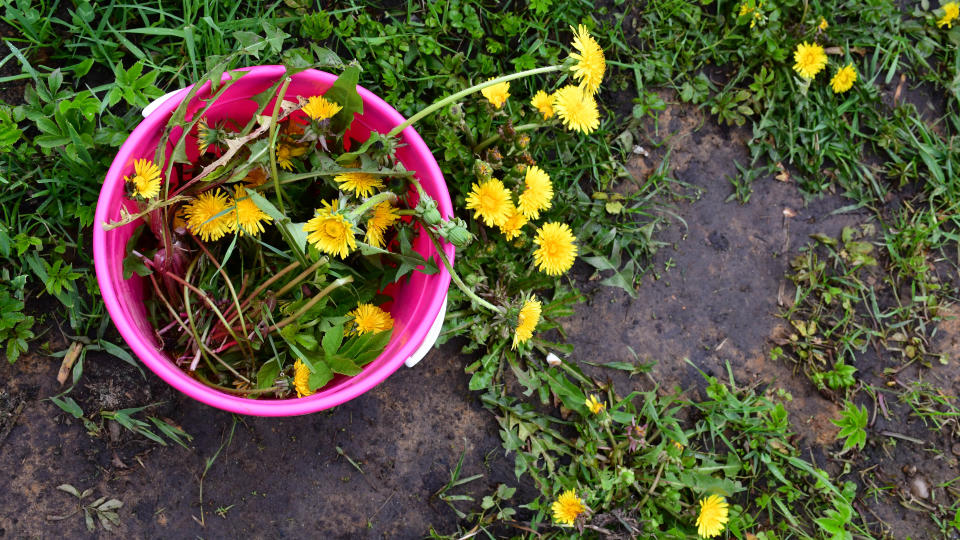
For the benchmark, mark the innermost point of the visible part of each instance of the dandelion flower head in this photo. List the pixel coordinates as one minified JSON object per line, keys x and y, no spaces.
{"x":538,"y":190}
{"x":369,"y":318}
{"x":514,"y":224}
{"x":287,"y":151}
{"x":844,"y":78}
{"x":577,"y":109}
{"x":249,"y":217}
{"x":145,"y":179}
{"x":491,"y":201}
{"x":809,"y":59}
{"x":384,"y":215}
{"x":557,"y":249}
{"x":527,"y":321}
{"x":301,"y":379}
{"x":567,"y":507}
{"x":330,"y":232}
{"x":823,"y":24}
{"x":544,"y":103}
{"x":497,"y":94}
{"x":210,"y":215}
{"x":362,"y":184}
{"x":256,"y":177}
{"x":951,"y":10}
{"x":595,"y":405}
{"x":590,"y":63}
{"x":319,"y":108}
{"x":205,"y":136}
{"x":713,"y":516}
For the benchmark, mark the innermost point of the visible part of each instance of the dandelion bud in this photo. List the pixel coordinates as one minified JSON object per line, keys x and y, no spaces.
{"x":523,"y":141}
{"x":494,"y":156}
{"x":455,"y":231}
{"x":428,"y":212}
{"x":456,"y":112}
{"x":507,"y":132}
{"x":482,"y":170}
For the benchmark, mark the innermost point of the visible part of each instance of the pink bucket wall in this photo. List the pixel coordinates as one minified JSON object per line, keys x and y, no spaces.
{"x":417,"y":300}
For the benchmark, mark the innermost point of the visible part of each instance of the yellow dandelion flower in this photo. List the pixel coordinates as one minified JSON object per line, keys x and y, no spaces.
{"x":567,"y":507}
{"x":544,"y":103}
{"x":319,"y":108}
{"x":205,"y":136}
{"x":210,"y":215}
{"x":514,"y":224}
{"x":538,"y":190}
{"x":287,"y":151}
{"x":301,"y":379}
{"x":384,"y":215}
{"x":497,"y":94}
{"x":247,"y":214}
{"x":369,"y":318}
{"x":594,"y":404}
{"x":362,"y":184}
{"x":145,"y":179}
{"x":256,"y":177}
{"x":823,"y":24}
{"x":951,"y":10}
{"x":330,"y":232}
{"x":491,"y":200}
{"x":527,"y":321}
{"x":590,"y":64}
{"x":713,"y":516}
{"x":809,"y":59}
{"x":746,"y":9}
{"x":557,"y":249}
{"x":576,"y":109}
{"x":844,"y":78}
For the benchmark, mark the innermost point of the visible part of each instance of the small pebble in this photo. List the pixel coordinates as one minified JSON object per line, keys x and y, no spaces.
{"x":909,"y":470}
{"x":919,"y":488}
{"x":955,"y":449}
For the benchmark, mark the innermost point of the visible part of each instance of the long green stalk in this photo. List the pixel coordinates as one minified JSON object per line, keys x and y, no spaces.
{"x":464,"y":93}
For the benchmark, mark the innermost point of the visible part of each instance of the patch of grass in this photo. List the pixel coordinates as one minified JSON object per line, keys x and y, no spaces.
{"x":642,"y":463}
{"x":845,"y":301}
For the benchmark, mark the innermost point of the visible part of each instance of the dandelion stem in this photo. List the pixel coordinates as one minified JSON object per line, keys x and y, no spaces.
{"x":187,"y":287}
{"x":494,"y":138}
{"x":456,"y":278}
{"x":463,"y":93}
{"x":246,"y":392}
{"x":272,"y":137}
{"x":228,"y":281}
{"x":263,"y":286}
{"x":300,"y":277}
{"x":313,"y":301}
{"x":371,"y":202}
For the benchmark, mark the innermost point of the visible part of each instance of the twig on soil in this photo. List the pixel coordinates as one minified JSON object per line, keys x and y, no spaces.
{"x":903,"y":437}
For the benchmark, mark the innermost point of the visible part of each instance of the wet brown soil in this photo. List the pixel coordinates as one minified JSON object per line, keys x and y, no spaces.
{"x":276,"y":478}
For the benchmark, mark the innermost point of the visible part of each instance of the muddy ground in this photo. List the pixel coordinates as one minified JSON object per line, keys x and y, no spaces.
{"x":280,"y":478}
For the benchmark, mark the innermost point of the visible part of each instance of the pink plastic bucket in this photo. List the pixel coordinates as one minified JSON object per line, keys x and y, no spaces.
{"x":417,"y":300}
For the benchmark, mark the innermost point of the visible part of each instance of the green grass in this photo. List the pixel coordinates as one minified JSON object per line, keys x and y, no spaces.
{"x":89,"y":70}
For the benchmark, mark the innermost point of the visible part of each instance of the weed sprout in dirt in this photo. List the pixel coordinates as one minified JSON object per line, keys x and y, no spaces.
{"x":272,"y":246}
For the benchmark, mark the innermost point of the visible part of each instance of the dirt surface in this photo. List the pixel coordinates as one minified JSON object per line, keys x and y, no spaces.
{"x":716,"y":305}
{"x":277,"y":477}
